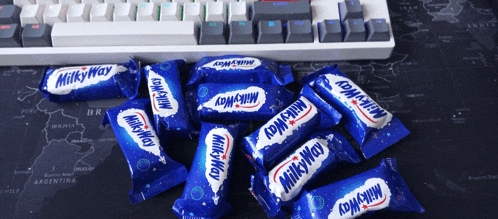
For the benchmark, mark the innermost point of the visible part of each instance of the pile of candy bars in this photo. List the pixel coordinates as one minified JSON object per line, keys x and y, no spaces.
{"x":292,"y":149}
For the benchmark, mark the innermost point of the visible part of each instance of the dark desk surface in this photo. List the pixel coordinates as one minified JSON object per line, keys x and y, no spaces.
{"x":441,"y":82}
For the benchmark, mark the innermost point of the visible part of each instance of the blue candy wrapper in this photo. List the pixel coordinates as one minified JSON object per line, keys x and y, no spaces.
{"x":239,"y":69}
{"x":372,"y":127}
{"x":286,"y":180}
{"x":167,"y":100}
{"x":368,"y":192}
{"x":274,"y":140}
{"x":241,"y":102}
{"x":191,"y":99}
{"x":205,"y":194}
{"x":152,"y":171}
{"x":94,"y":82}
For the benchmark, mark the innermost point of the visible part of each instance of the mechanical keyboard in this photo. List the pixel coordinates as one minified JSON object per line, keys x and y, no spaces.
{"x":58,"y":32}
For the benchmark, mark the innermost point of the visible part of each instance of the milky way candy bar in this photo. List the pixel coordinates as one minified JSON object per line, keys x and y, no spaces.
{"x":363,"y":194}
{"x":152,"y":171}
{"x":82,"y":83}
{"x":286,"y":180}
{"x":241,"y":102}
{"x":167,"y":100}
{"x":205,"y":194}
{"x":239,"y":69}
{"x":286,"y":130}
{"x":373,"y":127}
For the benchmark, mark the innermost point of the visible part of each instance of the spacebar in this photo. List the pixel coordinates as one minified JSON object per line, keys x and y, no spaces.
{"x":153,"y":33}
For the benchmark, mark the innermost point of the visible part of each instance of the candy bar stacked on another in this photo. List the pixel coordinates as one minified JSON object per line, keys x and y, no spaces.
{"x":286,"y":165}
{"x":223,"y":94}
{"x":294,"y":148}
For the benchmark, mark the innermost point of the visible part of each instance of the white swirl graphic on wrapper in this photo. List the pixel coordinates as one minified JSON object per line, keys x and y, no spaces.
{"x":371,"y":196}
{"x":137,"y":125}
{"x":250,"y":99}
{"x":219,"y":146}
{"x":162,"y":100}
{"x":358,"y":101}
{"x":245,"y":63}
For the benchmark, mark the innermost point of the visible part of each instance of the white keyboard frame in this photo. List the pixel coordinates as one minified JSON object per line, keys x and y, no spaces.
{"x":315,"y":51}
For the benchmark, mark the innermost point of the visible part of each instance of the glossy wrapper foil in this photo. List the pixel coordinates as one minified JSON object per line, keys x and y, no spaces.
{"x":239,"y":69}
{"x":283,"y":184}
{"x":152,"y":171}
{"x":286,"y":130}
{"x":241,"y":102}
{"x":373,"y":127}
{"x":205,"y":193}
{"x":381,"y":188}
{"x":168,"y":103}
{"x":94,"y":82}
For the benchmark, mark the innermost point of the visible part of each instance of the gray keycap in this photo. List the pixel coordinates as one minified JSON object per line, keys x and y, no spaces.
{"x":299,"y":31}
{"x":212,"y":33}
{"x":284,"y":11}
{"x":354,"y":30}
{"x":330,"y":31}
{"x":9,"y":35}
{"x":350,"y":9}
{"x":6,"y":2}
{"x":377,"y":30}
{"x":9,"y":14}
{"x":241,"y":32}
{"x":36,"y":35}
{"x":270,"y":32}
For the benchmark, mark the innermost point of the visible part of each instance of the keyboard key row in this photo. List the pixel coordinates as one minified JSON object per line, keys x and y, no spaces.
{"x":21,"y":3}
{"x":293,"y":31}
{"x":104,"y":12}
{"x":353,"y":30}
{"x":241,"y":32}
{"x":193,"y":11}
{"x":185,"y":33}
